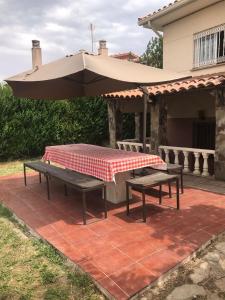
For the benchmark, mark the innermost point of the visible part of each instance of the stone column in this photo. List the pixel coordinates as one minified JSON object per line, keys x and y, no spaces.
{"x":219,"y":164}
{"x":137,"y":119}
{"x":115,"y":122}
{"x":158,"y":123}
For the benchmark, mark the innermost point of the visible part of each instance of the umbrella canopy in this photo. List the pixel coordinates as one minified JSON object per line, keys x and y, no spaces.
{"x":86,"y":74}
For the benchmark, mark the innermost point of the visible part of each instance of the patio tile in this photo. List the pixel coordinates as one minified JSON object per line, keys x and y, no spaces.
{"x":90,"y":268}
{"x":141,"y":248}
{"x":103,"y":227}
{"x":199,"y":237}
{"x":183,"y":249}
{"x":78,"y":235}
{"x":111,"y":261}
{"x":121,"y":253}
{"x":133,"y":278}
{"x":160,"y":262}
{"x":215,"y":228}
{"x":113,"y":288}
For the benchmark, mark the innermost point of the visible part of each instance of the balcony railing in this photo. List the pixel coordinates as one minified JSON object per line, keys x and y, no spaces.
{"x":198,"y":162}
{"x":195,"y":161}
{"x":132,"y":145}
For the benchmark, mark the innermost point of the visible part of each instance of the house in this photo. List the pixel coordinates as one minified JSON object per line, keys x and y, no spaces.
{"x":127,"y":56}
{"x":188,"y":116}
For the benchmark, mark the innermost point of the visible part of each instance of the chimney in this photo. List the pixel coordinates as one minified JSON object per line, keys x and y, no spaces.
{"x":36,"y":54}
{"x":102,"y":50}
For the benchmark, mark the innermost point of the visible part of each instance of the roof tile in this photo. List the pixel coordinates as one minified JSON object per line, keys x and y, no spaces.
{"x":174,"y":87}
{"x":159,"y":10}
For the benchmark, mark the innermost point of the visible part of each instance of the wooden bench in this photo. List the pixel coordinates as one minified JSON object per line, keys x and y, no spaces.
{"x":172,"y":169}
{"x":144,"y":183}
{"x":80,"y":182}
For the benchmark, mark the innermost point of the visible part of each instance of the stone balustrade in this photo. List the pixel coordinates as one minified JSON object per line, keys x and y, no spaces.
{"x":132,"y":146}
{"x":195,"y":161}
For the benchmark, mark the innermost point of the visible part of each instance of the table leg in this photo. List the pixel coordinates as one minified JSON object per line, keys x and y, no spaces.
{"x":128,"y":200}
{"x":48,"y":190}
{"x":178,"y":193}
{"x":181,"y":181}
{"x":105,"y":201}
{"x":25,"y":175}
{"x":160,"y":194}
{"x":116,"y":191}
{"x":84,"y":207}
{"x":144,"y":206}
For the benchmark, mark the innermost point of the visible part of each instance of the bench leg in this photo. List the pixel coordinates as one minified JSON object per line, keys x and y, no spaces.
{"x":25,"y":176}
{"x":178,"y":193}
{"x":181,"y":181}
{"x":65,"y":190}
{"x":128,"y":200}
{"x":105,"y":202}
{"x":39,"y":177}
{"x":84,"y":207}
{"x":144,"y":206}
{"x":48,"y":190}
{"x":160,"y":194}
{"x":170,"y":193}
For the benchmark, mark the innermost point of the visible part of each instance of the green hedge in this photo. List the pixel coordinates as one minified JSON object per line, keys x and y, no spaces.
{"x":27,"y":126}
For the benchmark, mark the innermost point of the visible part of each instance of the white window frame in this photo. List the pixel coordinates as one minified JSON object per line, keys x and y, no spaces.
{"x":207,"y":47}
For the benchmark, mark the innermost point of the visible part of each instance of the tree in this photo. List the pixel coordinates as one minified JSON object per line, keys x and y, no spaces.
{"x":153,"y":55}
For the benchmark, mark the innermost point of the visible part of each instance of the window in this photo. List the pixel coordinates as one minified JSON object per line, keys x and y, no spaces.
{"x":209,"y":47}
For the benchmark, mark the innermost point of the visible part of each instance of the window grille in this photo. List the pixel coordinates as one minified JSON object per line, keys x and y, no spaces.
{"x":209,"y":47}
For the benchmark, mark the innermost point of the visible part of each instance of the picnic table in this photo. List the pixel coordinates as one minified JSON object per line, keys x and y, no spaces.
{"x":110,"y":165}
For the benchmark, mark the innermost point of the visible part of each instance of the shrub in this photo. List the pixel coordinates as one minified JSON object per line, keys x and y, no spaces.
{"x":27,"y":126}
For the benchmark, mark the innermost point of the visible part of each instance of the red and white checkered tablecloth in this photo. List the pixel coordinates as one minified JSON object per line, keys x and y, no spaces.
{"x":100,"y":162}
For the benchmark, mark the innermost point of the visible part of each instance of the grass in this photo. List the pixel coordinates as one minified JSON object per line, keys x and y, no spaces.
{"x":31,"y":268}
{"x":12,"y":167}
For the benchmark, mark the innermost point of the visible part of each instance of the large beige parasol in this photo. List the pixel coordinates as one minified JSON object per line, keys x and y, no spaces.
{"x":85,"y":74}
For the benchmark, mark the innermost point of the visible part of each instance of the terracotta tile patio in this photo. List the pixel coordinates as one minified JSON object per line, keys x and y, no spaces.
{"x":121,"y":253}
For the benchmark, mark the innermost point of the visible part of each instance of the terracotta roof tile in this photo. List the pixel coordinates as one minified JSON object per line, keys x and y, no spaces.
{"x":127,"y":55}
{"x":173,"y":87}
{"x":159,"y":10}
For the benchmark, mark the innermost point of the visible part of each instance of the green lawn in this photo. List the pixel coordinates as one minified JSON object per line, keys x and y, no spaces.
{"x":32,"y":269}
{"x":8,"y":168}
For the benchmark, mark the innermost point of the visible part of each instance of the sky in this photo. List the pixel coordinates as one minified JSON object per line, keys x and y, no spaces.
{"x":63,"y":27}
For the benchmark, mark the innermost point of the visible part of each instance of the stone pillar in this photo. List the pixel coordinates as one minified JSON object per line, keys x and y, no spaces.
{"x":115,"y":122}
{"x":137,"y":119}
{"x":158,"y":123}
{"x":219,"y":163}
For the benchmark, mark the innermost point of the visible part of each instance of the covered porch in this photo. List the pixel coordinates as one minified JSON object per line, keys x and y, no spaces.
{"x":186,"y":123}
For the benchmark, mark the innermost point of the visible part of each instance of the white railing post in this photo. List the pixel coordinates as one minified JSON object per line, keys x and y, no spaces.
{"x":160,"y":152}
{"x":196,"y":164}
{"x":167,"y":160}
{"x":205,"y":164}
{"x":176,"y":160}
{"x":186,"y":164}
{"x":131,"y":146}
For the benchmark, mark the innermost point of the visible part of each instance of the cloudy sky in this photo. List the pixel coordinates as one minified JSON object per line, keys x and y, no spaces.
{"x":62,"y":26}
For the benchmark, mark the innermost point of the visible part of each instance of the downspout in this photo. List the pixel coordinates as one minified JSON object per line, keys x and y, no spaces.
{"x":153,"y":29}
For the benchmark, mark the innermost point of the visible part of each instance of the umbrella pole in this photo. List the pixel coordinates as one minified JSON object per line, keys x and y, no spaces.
{"x":145,"y":106}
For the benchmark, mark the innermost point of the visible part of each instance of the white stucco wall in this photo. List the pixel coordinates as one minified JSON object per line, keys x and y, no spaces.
{"x":178,"y":39}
